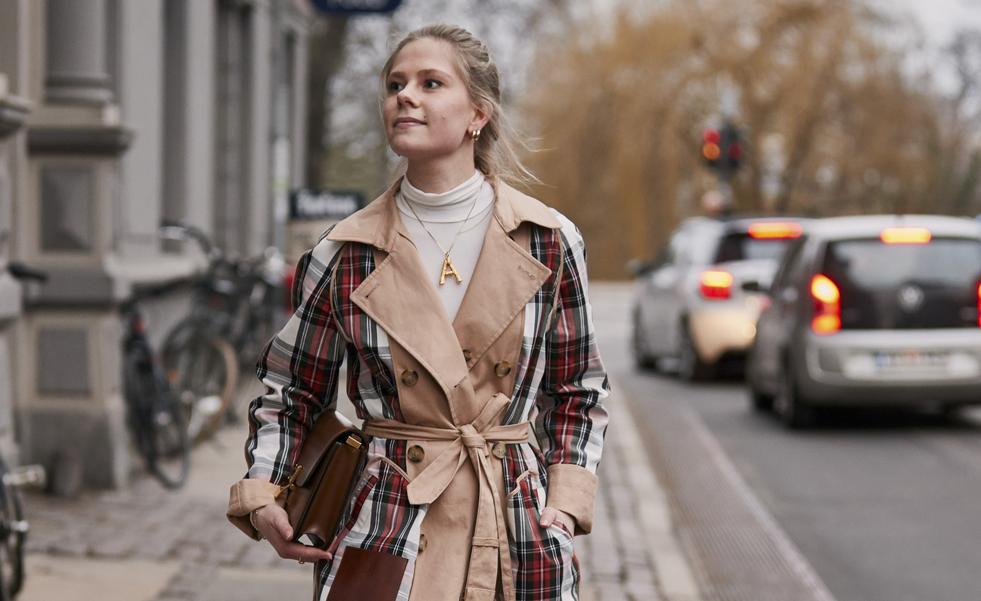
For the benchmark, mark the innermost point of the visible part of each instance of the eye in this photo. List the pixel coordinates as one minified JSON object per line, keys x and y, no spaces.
{"x":394,"y":86}
{"x":432,"y":84}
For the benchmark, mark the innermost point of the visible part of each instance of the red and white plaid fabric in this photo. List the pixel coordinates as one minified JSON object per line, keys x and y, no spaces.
{"x":560,"y":385}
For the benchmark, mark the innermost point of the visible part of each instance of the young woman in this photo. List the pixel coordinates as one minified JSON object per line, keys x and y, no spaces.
{"x":461,"y":307}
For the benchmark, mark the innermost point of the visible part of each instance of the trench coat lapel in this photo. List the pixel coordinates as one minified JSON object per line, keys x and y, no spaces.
{"x":504,"y":280}
{"x":396,"y":295}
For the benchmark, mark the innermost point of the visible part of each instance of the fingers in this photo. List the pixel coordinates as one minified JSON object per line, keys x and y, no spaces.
{"x":548,"y":516}
{"x":281,"y":523}
{"x":301,"y":552}
{"x":275,"y":525}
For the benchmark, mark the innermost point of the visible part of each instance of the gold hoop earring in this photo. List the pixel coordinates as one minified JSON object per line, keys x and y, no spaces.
{"x":475,"y":135}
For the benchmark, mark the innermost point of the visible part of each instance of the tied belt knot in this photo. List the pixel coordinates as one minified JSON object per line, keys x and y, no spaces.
{"x":490,"y":557}
{"x":471,"y":438}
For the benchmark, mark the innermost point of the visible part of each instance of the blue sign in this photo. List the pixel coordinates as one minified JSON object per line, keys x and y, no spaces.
{"x":346,"y":7}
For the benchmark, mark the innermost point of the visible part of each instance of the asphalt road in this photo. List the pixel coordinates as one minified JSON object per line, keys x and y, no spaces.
{"x":884,"y":506}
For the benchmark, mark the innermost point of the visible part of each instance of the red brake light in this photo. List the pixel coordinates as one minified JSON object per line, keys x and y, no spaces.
{"x":979,"y":304}
{"x":906,"y":235}
{"x":716,"y":284}
{"x":827,"y":305}
{"x":824,"y":290}
{"x":769,"y":230}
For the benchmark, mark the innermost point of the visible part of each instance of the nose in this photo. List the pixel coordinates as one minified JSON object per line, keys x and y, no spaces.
{"x":406,"y":97}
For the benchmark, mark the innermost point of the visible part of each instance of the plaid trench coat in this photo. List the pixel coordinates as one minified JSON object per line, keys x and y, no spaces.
{"x":521,"y":350}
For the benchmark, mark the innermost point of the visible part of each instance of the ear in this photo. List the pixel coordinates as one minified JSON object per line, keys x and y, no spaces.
{"x":481,"y":115}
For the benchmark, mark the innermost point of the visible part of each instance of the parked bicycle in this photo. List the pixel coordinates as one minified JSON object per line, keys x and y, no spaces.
{"x":197,"y":354}
{"x":256,"y":312}
{"x":155,"y":413}
{"x":13,"y":525}
{"x":241,"y":297}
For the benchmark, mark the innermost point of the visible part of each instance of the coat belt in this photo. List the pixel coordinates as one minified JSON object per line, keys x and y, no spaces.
{"x":490,"y":556}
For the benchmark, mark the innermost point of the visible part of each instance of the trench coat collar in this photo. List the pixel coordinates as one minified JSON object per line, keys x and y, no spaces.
{"x":397,"y":297}
{"x":378,"y":223}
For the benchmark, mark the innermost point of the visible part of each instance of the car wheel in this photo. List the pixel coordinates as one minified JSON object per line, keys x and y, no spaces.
{"x":793,"y":411}
{"x":760,"y":401}
{"x":691,"y":368}
{"x":950,"y":410}
{"x":642,"y":359}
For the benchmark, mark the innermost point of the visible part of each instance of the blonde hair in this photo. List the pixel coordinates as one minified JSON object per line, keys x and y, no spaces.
{"x":495,"y":151}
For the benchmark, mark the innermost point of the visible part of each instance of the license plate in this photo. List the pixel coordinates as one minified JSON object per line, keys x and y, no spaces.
{"x":893,"y":360}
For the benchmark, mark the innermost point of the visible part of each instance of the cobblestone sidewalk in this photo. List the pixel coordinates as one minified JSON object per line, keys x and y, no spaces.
{"x":149,"y":544}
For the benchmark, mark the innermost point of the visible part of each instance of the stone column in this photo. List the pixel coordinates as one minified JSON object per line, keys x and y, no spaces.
{"x":76,"y":52}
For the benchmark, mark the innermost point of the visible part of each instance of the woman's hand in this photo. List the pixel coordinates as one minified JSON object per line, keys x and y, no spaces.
{"x":274,"y":524}
{"x":551,"y":514}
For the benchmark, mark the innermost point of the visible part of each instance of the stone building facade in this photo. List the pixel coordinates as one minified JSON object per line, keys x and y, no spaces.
{"x":115,"y":114}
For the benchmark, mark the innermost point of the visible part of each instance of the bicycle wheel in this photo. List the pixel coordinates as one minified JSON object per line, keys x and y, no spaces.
{"x":138,"y":389}
{"x":13,"y":534}
{"x":202,"y":370}
{"x":169,"y":450}
{"x":156,"y":422}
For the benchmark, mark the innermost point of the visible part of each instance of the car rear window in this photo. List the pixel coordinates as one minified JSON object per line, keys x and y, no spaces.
{"x":743,"y":247}
{"x":906,"y":286}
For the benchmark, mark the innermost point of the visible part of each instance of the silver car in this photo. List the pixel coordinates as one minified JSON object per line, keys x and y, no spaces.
{"x":699,"y":300}
{"x":872,"y":310}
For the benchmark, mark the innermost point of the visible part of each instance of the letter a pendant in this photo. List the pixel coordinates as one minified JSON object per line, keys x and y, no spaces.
{"x":448,"y":269}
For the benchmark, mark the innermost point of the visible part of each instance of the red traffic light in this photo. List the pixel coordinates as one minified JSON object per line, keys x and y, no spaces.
{"x":711,"y":136}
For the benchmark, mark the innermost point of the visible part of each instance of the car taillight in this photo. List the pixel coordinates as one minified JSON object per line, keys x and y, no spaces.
{"x":905,"y":235}
{"x":979,"y":304}
{"x":716,"y":285}
{"x":775,"y":230}
{"x":827,"y":305}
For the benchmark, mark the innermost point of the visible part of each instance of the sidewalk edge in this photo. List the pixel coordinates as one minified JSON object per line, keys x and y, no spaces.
{"x":676,"y":580}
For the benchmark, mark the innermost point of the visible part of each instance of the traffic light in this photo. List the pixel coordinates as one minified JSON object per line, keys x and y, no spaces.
{"x":722,"y":148}
{"x":732,"y":143}
{"x":711,"y":151}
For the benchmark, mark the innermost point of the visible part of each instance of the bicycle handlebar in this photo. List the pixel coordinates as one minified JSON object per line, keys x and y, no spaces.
{"x":181,"y":231}
{"x":23,"y":272}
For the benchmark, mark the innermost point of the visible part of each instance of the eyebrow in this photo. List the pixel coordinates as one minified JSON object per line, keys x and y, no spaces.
{"x":439,"y":72}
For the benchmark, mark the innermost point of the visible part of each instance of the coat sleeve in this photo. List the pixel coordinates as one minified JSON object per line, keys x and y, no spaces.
{"x":572,"y":420}
{"x":300,"y":369}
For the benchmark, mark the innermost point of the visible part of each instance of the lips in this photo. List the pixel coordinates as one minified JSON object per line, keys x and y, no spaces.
{"x":408,"y":121}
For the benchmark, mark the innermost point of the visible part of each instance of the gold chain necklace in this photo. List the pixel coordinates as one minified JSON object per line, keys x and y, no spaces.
{"x":447,"y":267}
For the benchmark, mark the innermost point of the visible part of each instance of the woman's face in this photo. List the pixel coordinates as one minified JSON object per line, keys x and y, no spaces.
{"x":428,"y":112}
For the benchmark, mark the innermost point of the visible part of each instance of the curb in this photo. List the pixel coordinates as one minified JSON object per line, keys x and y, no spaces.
{"x":674,"y":574}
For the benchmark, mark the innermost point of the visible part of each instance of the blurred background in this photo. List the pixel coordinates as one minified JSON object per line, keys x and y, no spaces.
{"x":164,"y":163}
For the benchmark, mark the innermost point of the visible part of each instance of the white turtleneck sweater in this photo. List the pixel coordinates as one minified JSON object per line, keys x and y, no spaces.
{"x":443,"y":215}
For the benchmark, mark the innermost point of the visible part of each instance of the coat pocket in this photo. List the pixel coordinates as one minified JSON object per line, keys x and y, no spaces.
{"x":543,"y":555}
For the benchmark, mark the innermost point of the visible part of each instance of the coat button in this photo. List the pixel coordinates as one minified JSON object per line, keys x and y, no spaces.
{"x":416,"y":453}
{"x":502,"y":368}
{"x":499,"y":450}
{"x":423,"y":543}
{"x":410,"y":377}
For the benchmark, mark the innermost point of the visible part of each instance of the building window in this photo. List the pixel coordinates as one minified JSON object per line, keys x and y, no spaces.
{"x":67,"y":209}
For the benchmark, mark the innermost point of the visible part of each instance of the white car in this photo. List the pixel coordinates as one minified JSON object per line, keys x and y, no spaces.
{"x":700,"y":299}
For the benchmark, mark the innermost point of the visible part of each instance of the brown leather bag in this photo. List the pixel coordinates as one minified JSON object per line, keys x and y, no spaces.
{"x":329,"y":465}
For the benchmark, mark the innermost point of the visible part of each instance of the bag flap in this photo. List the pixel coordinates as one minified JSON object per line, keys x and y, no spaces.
{"x":330,"y":429}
